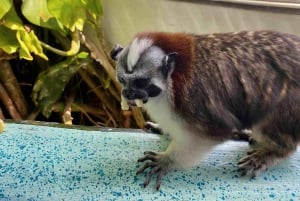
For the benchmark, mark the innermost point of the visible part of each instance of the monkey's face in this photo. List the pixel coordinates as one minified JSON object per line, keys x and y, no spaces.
{"x":142,"y":70}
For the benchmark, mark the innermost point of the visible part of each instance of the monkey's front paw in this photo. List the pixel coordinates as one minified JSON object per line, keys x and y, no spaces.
{"x":158,"y":163}
{"x":152,"y":128}
{"x":257,"y":161}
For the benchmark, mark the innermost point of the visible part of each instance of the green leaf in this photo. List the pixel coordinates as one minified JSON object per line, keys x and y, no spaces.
{"x":5,"y":6}
{"x":24,"y":51}
{"x":32,"y":43}
{"x":51,"y":83}
{"x":83,"y":55}
{"x":94,"y":7}
{"x":28,"y":41}
{"x":71,"y":13}
{"x":8,"y":40}
{"x":37,"y":13}
{"x":11,"y":20}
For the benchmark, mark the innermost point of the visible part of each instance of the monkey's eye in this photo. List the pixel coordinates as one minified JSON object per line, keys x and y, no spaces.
{"x":122,"y":80}
{"x":141,"y":83}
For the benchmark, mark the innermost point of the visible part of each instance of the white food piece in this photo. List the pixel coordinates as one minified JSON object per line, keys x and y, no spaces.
{"x":139,"y":102}
{"x":124,"y":103}
{"x":1,"y":125}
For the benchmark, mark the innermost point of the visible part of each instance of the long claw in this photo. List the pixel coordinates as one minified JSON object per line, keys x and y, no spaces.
{"x":159,"y":177}
{"x":147,"y":165}
{"x":147,"y":157}
{"x":153,"y":171}
{"x":150,"y":153}
{"x":158,"y":164}
{"x":257,"y":161}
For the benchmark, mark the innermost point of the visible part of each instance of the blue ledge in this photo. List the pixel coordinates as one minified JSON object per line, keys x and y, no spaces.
{"x":50,"y":163}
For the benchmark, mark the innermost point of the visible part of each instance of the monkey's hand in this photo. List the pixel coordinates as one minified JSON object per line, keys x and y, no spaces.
{"x":152,"y":128}
{"x":158,"y":163}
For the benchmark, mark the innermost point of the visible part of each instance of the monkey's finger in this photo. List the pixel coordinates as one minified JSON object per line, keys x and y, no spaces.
{"x":246,"y":169}
{"x":153,"y":171}
{"x":252,"y":152}
{"x":160,"y":175}
{"x":148,"y":157}
{"x":245,"y":160}
{"x":150,"y":153}
{"x":144,"y":167}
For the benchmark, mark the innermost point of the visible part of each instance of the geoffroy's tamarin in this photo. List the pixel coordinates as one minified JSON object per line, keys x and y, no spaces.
{"x":201,"y":87}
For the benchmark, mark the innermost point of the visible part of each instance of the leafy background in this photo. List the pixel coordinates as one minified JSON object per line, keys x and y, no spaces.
{"x":54,"y":65}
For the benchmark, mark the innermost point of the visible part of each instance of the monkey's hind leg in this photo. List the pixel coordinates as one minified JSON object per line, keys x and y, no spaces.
{"x":277,"y":139}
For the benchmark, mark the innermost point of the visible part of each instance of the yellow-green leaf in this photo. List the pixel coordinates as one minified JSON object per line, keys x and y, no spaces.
{"x":94,"y":7}
{"x":8,"y":40}
{"x":24,"y":52}
{"x":29,"y":43}
{"x":37,"y":13}
{"x":5,"y":6}
{"x":71,"y":13}
{"x":11,"y":20}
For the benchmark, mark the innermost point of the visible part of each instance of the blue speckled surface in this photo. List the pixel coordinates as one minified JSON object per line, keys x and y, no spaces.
{"x":49,"y":163}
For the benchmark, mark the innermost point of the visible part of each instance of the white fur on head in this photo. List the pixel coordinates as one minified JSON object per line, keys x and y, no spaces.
{"x":137,"y":47}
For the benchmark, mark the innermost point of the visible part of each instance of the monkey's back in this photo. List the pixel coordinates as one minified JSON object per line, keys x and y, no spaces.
{"x":239,"y":77}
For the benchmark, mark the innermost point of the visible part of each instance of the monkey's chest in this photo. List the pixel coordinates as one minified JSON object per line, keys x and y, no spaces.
{"x":162,"y":113}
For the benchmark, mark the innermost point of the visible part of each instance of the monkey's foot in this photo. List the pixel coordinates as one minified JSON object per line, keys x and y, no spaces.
{"x":158,"y":163}
{"x":257,"y":161}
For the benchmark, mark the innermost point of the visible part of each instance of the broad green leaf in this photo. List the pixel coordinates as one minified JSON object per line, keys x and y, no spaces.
{"x":94,"y":7}
{"x":8,"y":40}
{"x":71,"y":13}
{"x":37,"y":13}
{"x":5,"y":6}
{"x":51,"y":83}
{"x":11,"y":20}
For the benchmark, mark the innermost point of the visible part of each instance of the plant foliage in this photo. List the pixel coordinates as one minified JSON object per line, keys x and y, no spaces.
{"x":59,"y":39}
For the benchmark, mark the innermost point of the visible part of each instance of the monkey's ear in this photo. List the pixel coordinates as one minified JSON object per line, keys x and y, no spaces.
{"x":168,"y":63}
{"x":115,"y":52}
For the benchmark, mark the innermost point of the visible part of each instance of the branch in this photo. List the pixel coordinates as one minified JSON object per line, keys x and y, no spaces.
{"x":100,"y":94}
{"x":8,"y":103}
{"x":67,"y":113}
{"x":12,"y":87}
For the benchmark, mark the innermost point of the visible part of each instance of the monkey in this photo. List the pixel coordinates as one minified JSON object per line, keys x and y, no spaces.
{"x":199,"y":88}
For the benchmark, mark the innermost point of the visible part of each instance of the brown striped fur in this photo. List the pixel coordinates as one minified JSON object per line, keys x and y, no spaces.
{"x":218,"y":82}
{"x":235,"y":78}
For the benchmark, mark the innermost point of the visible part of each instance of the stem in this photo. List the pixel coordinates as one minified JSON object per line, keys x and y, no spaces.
{"x":67,"y":113}
{"x":8,"y":103}
{"x":32,"y":116}
{"x":138,"y":117}
{"x":12,"y":87}
{"x":85,"y":113}
{"x":91,"y":38}
{"x":100,"y":94}
{"x":74,"y":49}
{"x":1,"y":114}
{"x":91,"y":69}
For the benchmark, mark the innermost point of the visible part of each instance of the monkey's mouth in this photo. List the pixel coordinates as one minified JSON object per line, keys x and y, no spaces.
{"x":137,"y":102}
